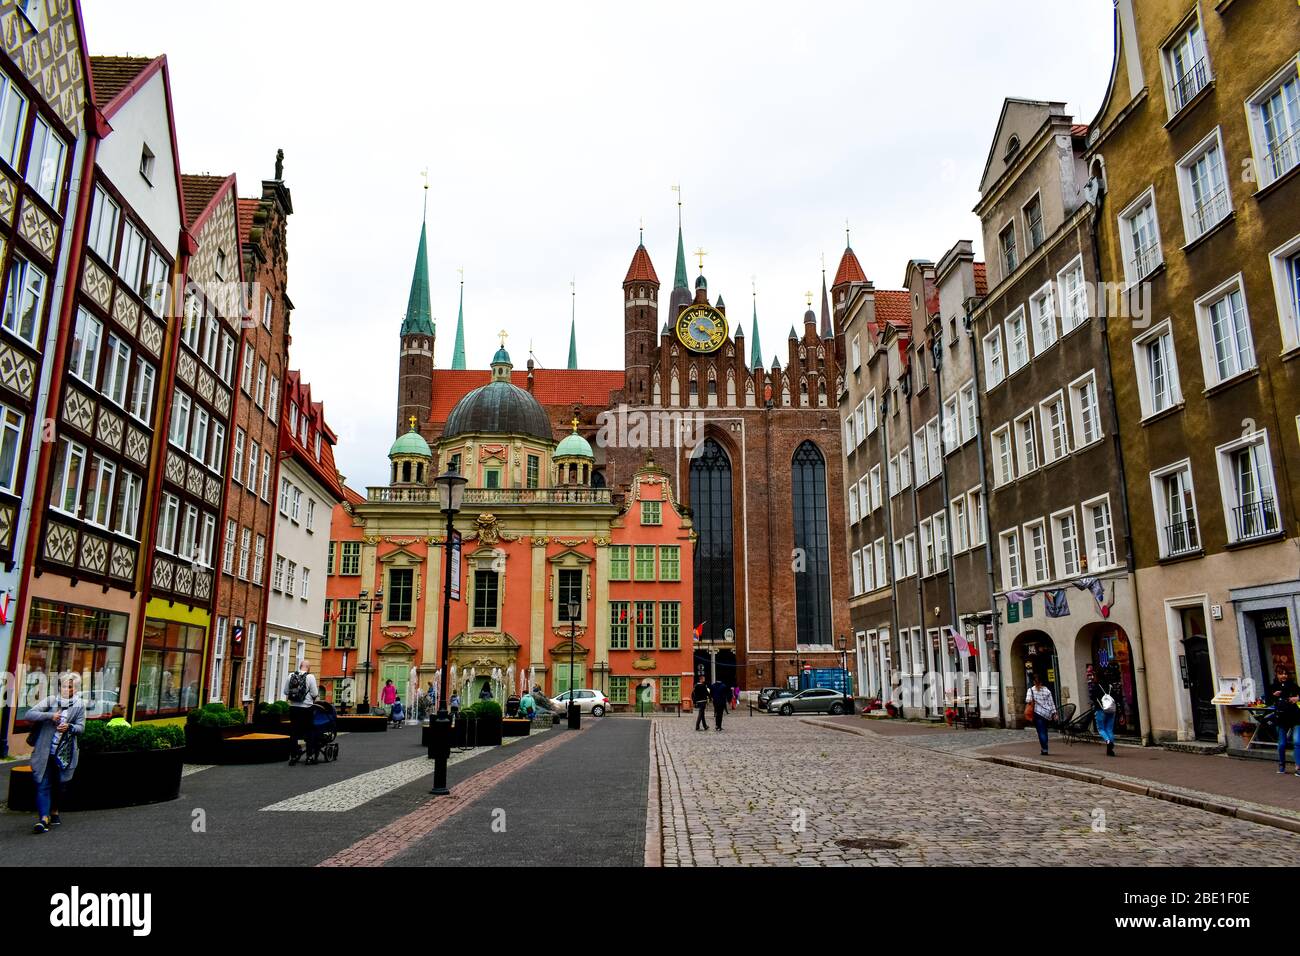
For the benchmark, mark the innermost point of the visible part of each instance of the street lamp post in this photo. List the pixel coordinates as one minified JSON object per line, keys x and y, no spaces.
{"x":451,"y":489}
{"x":575,"y":714}
{"x":370,"y":607}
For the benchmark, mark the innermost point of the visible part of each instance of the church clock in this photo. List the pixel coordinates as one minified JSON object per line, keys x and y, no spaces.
{"x":701,"y":328}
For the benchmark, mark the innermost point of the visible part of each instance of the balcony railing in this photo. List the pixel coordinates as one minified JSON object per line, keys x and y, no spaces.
{"x":1144,"y":261}
{"x":1181,"y":538}
{"x":1256,"y":520}
{"x":1283,"y":156}
{"x":1189,"y":84}
{"x":1210,"y":212}
{"x":498,"y":496}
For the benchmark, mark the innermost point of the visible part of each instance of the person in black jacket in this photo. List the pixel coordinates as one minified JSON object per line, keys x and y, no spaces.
{"x":1283,"y":694}
{"x":700,"y":698}
{"x":721,"y":695}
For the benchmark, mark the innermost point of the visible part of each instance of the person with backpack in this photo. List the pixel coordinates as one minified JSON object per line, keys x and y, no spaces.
{"x":1104,"y":709}
{"x":300,"y":691}
{"x":56,"y":722}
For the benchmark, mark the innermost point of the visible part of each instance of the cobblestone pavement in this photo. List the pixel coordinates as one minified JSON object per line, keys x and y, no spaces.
{"x":778,"y":791}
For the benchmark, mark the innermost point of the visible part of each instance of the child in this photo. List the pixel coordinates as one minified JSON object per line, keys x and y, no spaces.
{"x":118,"y":718}
{"x":399,"y":713}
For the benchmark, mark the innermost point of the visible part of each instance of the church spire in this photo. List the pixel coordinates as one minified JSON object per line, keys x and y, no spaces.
{"x":756,"y":347}
{"x":458,"y":355}
{"x":825,"y":330}
{"x":573,"y":326}
{"x":419,"y":314}
{"x":680,"y":280}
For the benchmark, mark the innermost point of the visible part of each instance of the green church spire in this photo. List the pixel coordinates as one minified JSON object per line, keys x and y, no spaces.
{"x":679,"y":278}
{"x":419,"y":314}
{"x":573,"y":326}
{"x":458,"y":355}
{"x":756,"y":348}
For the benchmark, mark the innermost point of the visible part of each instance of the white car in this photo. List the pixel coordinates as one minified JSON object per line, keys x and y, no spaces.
{"x":592,"y":702}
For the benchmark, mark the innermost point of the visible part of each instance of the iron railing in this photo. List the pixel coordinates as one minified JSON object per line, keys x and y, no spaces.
{"x":1185,"y":87}
{"x":1181,"y":538}
{"x":1283,"y":157}
{"x":498,"y":496}
{"x":1256,"y":519}
{"x":1145,"y":260}
{"x":1210,"y":212}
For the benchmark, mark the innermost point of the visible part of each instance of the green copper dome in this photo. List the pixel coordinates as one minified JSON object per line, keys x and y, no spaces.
{"x":574,"y":446}
{"x":410,"y":444}
{"x":502,"y":357}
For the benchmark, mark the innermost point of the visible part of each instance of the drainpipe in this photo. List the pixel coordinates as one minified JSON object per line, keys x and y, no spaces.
{"x":1130,"y":563}
{"x":936,"y":353}
{"x":896,"y":646}
{"x":969,"y":322}
{"x":905,"y":382}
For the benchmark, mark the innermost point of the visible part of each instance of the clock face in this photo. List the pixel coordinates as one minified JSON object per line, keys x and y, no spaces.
{"x":701,"y":328}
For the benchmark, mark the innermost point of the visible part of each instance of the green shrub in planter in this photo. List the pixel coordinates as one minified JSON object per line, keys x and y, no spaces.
{"x":484,"y":708}
{"x":98,"y":737}
{"x":215,"y":714}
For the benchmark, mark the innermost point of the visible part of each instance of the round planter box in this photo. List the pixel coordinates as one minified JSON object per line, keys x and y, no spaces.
{"x":203,"y":744}
{"x":511,"y":727}
{"x":107,"y":780}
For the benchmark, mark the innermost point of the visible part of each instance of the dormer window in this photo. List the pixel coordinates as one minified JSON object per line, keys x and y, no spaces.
{"x":147,"y":163}
{"x":1013,"y":147}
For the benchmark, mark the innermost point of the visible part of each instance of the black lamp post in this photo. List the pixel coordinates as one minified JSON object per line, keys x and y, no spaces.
{"x":370,"y":607}
{"x":575,"y":715}
{"x":451,"y":489}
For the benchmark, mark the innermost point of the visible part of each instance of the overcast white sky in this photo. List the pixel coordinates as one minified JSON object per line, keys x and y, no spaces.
{"x":551,"y":129}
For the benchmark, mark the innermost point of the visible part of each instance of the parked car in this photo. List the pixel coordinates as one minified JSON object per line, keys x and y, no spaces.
{"x":592,"y":702}
{"x":815,"y":700}
{"x":769,"y":694}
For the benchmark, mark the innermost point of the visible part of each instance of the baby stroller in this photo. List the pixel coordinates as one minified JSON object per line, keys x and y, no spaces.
{"x":324,"y":745}
{"x":397,"y":715}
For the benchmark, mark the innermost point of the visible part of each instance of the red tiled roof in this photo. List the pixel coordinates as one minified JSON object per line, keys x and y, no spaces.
{"x":850,"y":269}
{"x":981,"y":279}
{"x":199,"y":191}
{"x":1079,"y":129}
{"x":326,"y":470}
{"x":641,"y":269}
{"x":354,"y":497}
{"x":247,"y":209}
{"x":556,"y":387}
{"x":110,"y":75}
{"x":894,"y":307}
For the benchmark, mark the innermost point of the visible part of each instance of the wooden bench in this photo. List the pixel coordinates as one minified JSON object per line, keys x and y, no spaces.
{"x":254,"y":748}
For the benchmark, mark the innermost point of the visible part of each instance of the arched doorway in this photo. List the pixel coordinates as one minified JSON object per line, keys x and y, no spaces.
{"x":1106,"y":648}
{"x":1034,"y":653}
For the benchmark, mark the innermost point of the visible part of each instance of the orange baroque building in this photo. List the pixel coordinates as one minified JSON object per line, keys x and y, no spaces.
{"x":536,"y":534}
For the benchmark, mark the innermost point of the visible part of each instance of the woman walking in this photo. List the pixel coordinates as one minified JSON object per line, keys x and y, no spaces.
{"x":1104,"y":708}
{"x":1040,"y":706}
{"x":1283,"y":695}
{"x":57,"y":722}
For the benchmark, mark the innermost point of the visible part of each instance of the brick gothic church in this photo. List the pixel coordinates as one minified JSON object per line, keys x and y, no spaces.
{"x":759,"y":467}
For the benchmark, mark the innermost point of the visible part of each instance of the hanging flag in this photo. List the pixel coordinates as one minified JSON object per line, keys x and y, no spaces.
{"x":1056,"y":603}
{"x":959,"y":639}
{"x":699,"y":630}
{"x":4,"y":608}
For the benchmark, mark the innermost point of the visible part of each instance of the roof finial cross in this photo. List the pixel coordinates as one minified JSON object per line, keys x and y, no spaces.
{"x":412,"y":421}
{"x":425,"y":173}
{"x":678,"y":190}
{"x":847,"y":244}
{"x":701,"y":254}
{"x":503,"y":335}
{"x":808,"y":296}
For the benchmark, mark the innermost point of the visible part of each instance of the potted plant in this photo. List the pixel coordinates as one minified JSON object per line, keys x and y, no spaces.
{"x":207,"y":726}
{"x":271,"y":717}
{"x":117,"y":767}
{"x":487,"y":717}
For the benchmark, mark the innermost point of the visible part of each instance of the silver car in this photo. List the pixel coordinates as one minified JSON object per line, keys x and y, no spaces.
{"x":590,"y":701}
{"x":815,"y":700}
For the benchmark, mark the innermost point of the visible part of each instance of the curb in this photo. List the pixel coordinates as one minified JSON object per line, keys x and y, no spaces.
{"x":654,"y":850}
{"x":843,"y":728}
{"x":1155,"y":792}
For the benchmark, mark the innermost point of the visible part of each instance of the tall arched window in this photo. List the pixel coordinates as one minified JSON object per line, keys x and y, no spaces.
{"x":715,"y":601}
{"x":812,"y":585}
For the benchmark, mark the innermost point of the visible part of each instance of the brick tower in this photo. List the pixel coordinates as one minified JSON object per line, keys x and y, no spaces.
{"x":415,"y":368}
{"x":640,"y":326}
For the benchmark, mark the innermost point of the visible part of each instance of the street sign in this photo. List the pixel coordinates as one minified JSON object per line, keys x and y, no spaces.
{"x":455,"y":565}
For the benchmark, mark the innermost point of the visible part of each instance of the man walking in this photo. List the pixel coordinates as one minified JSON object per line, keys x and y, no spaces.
{"x":300,"y":691}
{"x":721,"y":694}
{"x":700,"y":698}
